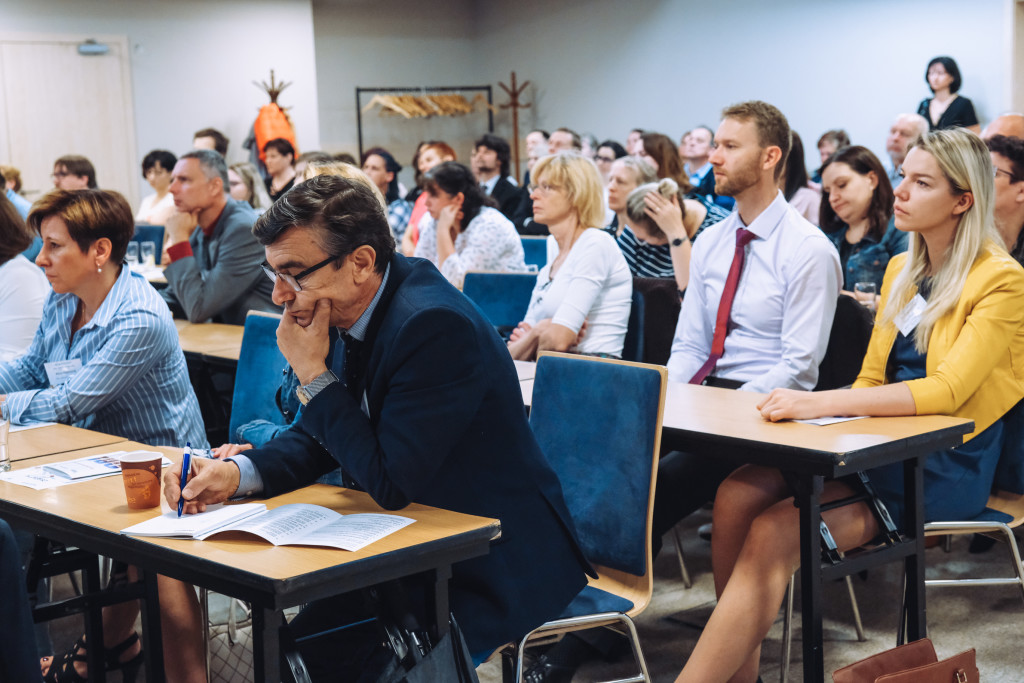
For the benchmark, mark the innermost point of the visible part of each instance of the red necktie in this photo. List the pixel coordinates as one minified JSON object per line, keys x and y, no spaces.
{"x":743,"y":236}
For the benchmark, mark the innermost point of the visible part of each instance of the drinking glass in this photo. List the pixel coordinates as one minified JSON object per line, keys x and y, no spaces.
{"x":131,"y":255}
{"x":5,"y":455}
{"x":148,"y":255}
{"x":866,"y":293}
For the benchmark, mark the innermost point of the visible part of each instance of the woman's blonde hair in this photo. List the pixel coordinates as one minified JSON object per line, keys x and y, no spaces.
{"x":967,"y":167}
{"x":259,"y":199}
{"x":636,"y":206}
{"x":580,"y":179}
{"x":343,"y":170}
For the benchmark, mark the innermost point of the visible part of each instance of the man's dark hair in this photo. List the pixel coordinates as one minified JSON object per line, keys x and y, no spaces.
{"x":497,"y":144}
{"x":861,"y":161}
{"x":89,"y":216}
{"x":618,"y":150}
{"x":211,"y":163}
{"x":220,"y":141}
{"x":345,"y":213}
{"x":453,"y":178}
{"x":283,"y":147}
{"x":577,"y":141}
{"x":14,"y":235}
{"x":78,"y":166}
{"x":542,"y":132}
{"x":390,"y":165}
{"x":158,"y":156}
{"x":949,"y":64}
{"x":704,"y":127}
{"x":1012,"y":149}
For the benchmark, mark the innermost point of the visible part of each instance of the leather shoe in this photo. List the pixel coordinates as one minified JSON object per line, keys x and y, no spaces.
{"x":543,"y":670}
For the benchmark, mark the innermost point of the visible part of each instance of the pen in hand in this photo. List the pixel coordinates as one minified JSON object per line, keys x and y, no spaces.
{"x":186,"y":465}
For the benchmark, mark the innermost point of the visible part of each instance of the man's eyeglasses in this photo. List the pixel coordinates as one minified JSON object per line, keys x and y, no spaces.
{"x":59,"y":174}
{"x":1009,"y":175}
{"x":293,"y":280}
{"x":606,"y":160}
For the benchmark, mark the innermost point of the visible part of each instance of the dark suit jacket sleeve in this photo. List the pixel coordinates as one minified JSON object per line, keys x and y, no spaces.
{"x":435,"y":381}
{"x":203,"y":295}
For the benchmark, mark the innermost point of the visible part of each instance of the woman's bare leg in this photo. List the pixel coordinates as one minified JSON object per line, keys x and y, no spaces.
{"x":183,"y":632}
{"x":729,"y":648}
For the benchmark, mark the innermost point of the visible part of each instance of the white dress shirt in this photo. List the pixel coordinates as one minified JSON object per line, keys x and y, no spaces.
{"x":23,"y":290}
{"x":785,"y":300}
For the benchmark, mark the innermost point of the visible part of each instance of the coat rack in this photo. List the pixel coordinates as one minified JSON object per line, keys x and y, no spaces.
{"x":515,"y":105}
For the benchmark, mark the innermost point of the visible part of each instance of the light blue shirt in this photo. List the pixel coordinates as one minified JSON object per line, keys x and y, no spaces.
{"x":249,"y":480}
{"x":133,"y":381}
{"x":22,"y":205}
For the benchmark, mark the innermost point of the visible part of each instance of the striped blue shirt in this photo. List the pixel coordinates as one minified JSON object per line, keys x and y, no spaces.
{"x":133,"y":381}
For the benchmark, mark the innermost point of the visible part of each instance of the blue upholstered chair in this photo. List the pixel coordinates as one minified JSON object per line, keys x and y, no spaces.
{"x":605,"y":454}
{"x":535,"y":251}
{"x":150,"y":233}
{"x":260,"y":365}
{"x":503,"y":297}
{"x":633,"y":346}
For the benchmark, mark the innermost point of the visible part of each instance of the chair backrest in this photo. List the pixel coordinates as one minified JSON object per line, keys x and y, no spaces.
{"x":847,"y":344}
{"x":603,"y":450}
{"x":503,"y":297}
{"x":633,"y":345}
{"x":150,"y":233}
{"x":260,"y":365}
{"x":535,"y":251}
{"x":661,"y":306}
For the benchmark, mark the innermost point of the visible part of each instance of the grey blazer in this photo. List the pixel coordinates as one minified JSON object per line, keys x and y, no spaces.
{"x":222,"y":280}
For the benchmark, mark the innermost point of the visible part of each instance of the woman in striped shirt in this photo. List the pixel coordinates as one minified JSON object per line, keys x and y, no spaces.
{"x":106,"y":357}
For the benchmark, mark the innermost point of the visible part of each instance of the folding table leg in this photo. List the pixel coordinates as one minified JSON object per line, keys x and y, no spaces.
{"x":94,"y":622}
{"x":810,"y":576}
{"x":913,"y":492}
{"x":152,"y":640}
{"x":266,"y":649}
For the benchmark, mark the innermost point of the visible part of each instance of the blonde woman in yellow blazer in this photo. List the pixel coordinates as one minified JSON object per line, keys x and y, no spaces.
{"x":948,"y":339}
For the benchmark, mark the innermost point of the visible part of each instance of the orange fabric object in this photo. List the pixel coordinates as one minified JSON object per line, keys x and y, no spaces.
{"x":418,"y":209}
{"x":272,"y":123}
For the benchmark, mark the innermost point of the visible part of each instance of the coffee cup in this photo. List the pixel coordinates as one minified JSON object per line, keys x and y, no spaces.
{"x":140,"y":471}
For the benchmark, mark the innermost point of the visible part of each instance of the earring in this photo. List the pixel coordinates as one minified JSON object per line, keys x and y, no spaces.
{"x":98,"y":269}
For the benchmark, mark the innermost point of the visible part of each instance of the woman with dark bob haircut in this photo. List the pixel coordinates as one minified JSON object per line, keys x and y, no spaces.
{"x":462,"y":230}
{"x":124,"y":371}
{"x":946,"y":109}
{"x":856,"y":214}
{"x":156,"y":170}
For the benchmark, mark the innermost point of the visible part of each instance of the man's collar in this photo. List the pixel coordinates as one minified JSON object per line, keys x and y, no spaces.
{"x":208,"y":230}
{"x":358,"y":329}
{"x":488,"y":185}
{"x":769,"y":219}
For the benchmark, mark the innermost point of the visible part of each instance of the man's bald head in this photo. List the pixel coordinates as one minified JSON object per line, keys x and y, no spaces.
{"x":1011,"y":125}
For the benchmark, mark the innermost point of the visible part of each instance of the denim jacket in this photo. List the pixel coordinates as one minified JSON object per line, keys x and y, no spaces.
{"x":866,"y":260}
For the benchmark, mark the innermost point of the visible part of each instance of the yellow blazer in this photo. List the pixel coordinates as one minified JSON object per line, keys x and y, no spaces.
{"x":975,"y":359}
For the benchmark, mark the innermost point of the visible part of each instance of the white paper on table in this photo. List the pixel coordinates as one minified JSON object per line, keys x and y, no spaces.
{"x":30,"y":425}
{"x":823,"y":421}
{"x":169,"y":525}
{"x":40,"y":477}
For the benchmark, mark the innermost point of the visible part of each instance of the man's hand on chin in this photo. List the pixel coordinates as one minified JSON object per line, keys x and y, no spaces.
{"x":305,"y":347}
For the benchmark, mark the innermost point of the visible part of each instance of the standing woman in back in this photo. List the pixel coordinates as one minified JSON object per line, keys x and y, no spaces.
{"x":946,"y":108}
{"x":957,"y":350}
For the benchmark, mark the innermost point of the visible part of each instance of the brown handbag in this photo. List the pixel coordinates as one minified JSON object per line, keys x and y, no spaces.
{"x":911,"y":663}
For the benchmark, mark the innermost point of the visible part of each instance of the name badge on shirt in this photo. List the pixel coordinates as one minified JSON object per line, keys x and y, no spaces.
{"x":910,"y":316}
{"x":60,"y":371}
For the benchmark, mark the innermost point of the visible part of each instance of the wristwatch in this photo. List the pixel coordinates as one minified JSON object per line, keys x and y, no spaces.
{"x":319,"y":383}
{"x":678,"y":242}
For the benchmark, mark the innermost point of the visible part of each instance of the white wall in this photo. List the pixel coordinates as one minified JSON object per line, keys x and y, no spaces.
{"x":193,"y":61}
{"x":605,"y":66}
{"x":393,"y":43}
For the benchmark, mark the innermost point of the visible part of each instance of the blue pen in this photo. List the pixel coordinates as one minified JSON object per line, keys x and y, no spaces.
{"x":186,"y":465}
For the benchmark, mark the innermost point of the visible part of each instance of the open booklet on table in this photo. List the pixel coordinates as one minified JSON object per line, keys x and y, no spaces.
{"x":295,"y":524}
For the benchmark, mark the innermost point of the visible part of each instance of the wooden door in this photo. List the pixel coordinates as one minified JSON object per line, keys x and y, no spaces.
{"x":55,"y":101}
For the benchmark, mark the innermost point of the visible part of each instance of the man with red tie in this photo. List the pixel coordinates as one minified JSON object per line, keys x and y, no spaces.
{"x":762,"y":293}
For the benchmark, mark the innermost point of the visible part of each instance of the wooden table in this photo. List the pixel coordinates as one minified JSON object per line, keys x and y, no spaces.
{"x":216,"y":340}
{"x":58,"y":438}
{"x":725,"y":423}
{"x":90,"y":515}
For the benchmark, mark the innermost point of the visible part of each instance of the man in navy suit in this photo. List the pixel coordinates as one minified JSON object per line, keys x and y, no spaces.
{"x":425,"y":408}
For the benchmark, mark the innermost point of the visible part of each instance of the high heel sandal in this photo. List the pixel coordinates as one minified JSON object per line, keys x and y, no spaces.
{"x":62,"y":670}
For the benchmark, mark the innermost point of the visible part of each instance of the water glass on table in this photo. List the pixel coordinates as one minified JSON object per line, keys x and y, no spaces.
{"x":147,"y":255}
{"x":5,"y":454}
{"x":131,"y":254}
{"x":866,"y":293}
